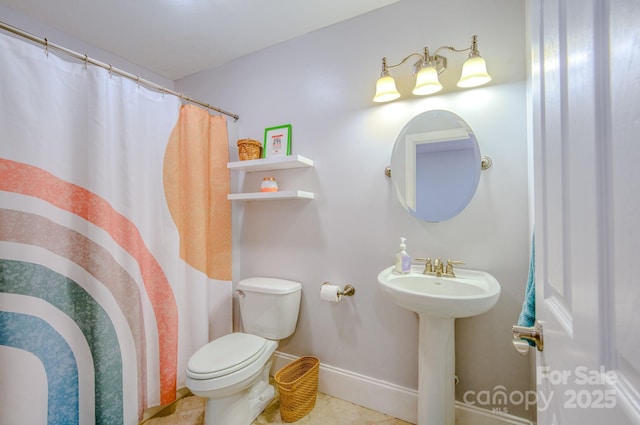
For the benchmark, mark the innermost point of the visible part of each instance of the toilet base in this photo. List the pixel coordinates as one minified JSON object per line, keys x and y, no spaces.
{"x":241,"y":408}
{"x":238,"y":409}
{"x":260,"y":402}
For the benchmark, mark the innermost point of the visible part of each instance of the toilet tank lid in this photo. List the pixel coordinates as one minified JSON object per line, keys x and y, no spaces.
{"x":269,"y":285}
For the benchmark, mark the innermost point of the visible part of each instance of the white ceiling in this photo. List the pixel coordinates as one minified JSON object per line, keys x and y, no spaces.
{"x":175,"y":38}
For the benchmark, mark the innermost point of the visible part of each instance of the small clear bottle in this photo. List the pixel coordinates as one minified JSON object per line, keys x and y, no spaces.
{"x":403,"y":260}
{"x":269,"y":184}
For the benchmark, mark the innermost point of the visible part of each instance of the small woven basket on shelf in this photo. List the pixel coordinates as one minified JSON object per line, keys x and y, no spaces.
{"x":298,"y":387}
{"x":249,"y":149}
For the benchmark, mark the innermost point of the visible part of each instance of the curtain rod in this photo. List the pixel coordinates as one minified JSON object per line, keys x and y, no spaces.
{"x":110,"y":68}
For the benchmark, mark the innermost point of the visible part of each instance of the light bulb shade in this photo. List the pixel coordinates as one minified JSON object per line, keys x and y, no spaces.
{"x":474,"y":72}
{"x":427,"y":82}
{"x":386,"y":90}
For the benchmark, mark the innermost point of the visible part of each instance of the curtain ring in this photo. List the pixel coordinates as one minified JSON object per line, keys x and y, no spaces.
{"x":46,"y":47}
{"x":86,"y":60}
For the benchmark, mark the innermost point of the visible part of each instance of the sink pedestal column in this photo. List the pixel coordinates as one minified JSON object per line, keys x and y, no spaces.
{"x":436,"y":368}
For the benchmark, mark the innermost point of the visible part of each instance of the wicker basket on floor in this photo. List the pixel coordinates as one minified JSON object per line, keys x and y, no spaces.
{"x":298,"y":387}
{"x":249,"y":149}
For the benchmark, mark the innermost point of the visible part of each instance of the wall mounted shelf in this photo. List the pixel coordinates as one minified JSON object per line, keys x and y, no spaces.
{"x":269,"y":196}
{"x":273,"y":163}
{"x":270,"y":164}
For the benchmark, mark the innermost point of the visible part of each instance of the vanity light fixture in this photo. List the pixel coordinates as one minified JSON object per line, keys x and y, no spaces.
{"x":428,"y":68}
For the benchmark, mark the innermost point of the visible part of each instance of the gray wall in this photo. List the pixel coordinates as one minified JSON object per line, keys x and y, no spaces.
{"x":322,"y":84}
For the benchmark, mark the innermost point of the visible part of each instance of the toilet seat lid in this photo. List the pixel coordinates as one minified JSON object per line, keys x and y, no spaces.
{"x":226,"y":355}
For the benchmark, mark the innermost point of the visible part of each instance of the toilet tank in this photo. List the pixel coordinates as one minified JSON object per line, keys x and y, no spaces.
{"x":269,"y":307}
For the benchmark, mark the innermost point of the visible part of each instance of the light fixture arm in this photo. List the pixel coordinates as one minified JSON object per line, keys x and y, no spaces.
{"x":385,"y":66}
{"x":472,"y":49}
{"x":451,"y":49}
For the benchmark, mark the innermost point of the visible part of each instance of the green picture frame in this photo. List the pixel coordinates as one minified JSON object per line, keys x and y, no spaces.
{"x":277,"y":141}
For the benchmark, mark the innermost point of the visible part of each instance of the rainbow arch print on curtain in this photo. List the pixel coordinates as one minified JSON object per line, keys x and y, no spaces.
{"x":98,"y":312}
{"x":25,"y":331}
{"x":57,"y":358}
{"x":28,"y":279}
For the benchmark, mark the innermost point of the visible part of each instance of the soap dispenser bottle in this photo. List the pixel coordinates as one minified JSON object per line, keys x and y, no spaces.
{"x":403,"y":260}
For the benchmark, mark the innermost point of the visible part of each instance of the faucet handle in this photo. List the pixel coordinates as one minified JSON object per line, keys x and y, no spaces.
{"x":428,"y":268}
{"x":450,"y":264}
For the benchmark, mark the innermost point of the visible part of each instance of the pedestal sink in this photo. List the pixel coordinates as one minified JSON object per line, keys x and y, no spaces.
{"x":438,"y":302}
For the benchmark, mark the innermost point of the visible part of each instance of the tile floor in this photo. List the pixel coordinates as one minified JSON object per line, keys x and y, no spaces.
{"x":327,"y":411}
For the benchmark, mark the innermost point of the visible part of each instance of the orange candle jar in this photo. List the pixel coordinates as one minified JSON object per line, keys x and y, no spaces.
{"x":269,"y":184}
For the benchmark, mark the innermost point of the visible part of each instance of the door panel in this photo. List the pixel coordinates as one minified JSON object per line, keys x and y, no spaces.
{"x":585,"y":83}
{"x":625,"y":178}
{"x":553,"y":71}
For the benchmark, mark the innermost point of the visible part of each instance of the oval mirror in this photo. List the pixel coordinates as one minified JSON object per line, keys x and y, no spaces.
{"x":435,"y":165}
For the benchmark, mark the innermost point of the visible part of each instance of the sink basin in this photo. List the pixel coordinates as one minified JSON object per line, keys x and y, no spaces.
{"x":438,"y":302}
{"x":468,"y":294}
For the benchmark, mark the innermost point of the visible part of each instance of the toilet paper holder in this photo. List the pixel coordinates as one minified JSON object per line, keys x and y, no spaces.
{"x":347,"y":291}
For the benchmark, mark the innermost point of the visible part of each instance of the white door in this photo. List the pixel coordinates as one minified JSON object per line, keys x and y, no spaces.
{"x":586,"y":136}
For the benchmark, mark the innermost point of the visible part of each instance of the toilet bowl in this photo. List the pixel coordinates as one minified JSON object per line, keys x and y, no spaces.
{"x":232,"y":372}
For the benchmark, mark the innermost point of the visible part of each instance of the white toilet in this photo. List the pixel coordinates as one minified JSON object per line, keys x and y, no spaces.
{"x":232,"y":372}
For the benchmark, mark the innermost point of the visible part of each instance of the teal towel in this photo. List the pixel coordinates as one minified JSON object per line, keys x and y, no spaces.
{"x":528,"y":313}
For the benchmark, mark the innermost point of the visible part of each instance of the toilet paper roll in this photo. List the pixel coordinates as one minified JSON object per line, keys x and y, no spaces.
{"x":330,"y":293}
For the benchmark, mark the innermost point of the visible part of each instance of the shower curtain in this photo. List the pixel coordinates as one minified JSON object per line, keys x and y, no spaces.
{"x":115,"y":240}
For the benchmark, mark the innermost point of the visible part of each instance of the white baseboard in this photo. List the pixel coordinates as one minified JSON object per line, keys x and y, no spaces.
{"x":388,"y":398}
{"x":471,"y":415}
